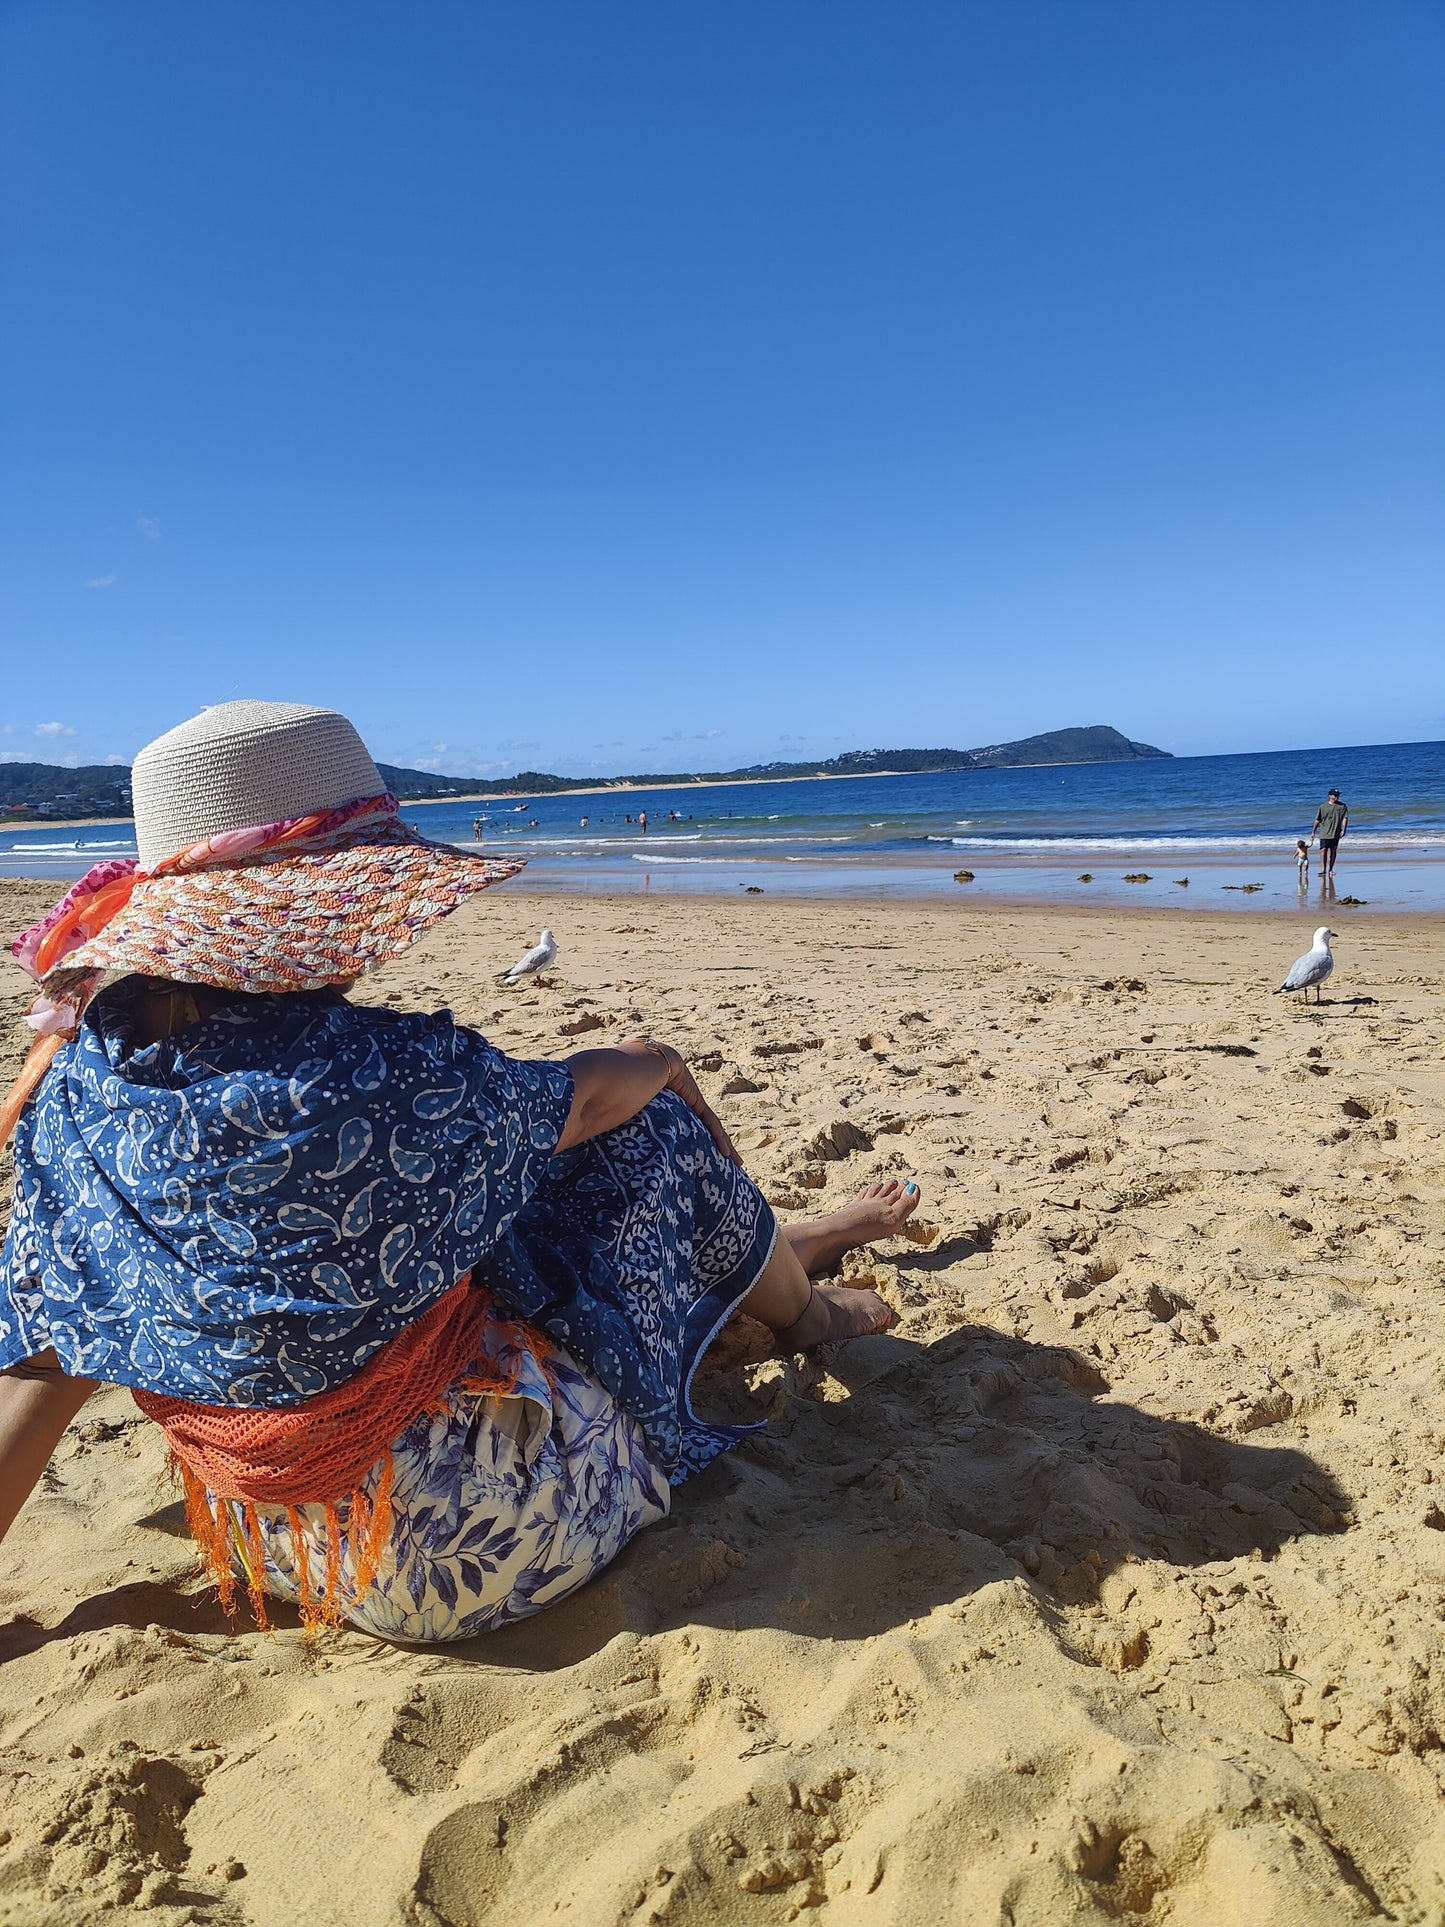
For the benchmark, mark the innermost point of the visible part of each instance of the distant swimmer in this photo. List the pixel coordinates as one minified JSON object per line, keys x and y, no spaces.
{"x":584,"y":822}
{"x":476,"y":829}
{"x":642,"y":821}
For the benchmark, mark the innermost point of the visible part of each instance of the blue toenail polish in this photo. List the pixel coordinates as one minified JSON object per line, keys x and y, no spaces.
{"x":910,"y":1187}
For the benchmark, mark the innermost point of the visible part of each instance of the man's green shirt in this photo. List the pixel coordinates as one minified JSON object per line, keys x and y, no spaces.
{"x":1332,"y":821}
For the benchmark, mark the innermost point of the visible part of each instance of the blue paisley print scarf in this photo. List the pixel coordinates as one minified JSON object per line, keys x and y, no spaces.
{"x":246,"y":1212}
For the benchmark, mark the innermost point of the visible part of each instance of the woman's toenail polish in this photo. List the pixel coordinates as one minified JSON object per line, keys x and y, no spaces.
{"x":910,"y":1187}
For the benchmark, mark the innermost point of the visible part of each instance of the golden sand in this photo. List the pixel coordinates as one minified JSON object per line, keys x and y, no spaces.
{"x":1110,"y":1588}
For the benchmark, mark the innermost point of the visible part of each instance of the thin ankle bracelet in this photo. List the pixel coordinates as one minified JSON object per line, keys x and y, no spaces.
{"x":812,"y":1294}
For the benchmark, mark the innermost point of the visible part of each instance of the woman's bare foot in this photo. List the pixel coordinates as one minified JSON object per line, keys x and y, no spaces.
{"x":833,"y":1312}
{"x":877,"y":1212}
{"x":803,"y":1314}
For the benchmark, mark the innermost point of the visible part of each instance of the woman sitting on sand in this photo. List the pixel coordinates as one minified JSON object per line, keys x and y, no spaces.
{"x":419,"y":1320}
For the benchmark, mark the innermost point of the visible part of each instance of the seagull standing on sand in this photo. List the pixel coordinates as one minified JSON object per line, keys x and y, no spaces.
{"x":1313,"y":967}
{"x":536,"y":959}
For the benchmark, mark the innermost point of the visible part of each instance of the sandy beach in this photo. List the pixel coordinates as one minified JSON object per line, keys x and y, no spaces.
{"x":1110,"y":1587}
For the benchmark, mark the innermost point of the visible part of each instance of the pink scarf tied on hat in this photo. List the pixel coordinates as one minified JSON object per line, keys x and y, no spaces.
{"x":105,"y":889}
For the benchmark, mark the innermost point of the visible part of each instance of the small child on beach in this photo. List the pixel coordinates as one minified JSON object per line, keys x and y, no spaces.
{"x":1302,"y":861}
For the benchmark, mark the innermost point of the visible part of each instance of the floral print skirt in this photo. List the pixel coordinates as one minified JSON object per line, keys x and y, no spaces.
{"x":500,"y":1506}
{"x":632,"y":1253}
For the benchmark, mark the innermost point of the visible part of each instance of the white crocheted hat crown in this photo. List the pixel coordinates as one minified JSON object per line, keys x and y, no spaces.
{"x":242,"y":763}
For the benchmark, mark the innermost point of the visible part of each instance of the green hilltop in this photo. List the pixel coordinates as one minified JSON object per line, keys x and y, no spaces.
{"x":1098,"y":743}
{"x":49,"y":791}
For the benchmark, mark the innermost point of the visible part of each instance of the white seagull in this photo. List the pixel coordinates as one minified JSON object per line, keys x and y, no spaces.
{"x":536,"y":959}
{"x":1313,"y":967}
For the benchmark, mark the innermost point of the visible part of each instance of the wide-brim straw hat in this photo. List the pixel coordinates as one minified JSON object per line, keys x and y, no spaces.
{"x":270,"y":858}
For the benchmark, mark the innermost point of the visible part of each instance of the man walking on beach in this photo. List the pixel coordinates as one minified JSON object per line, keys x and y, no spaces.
{"x":1332,"y":819}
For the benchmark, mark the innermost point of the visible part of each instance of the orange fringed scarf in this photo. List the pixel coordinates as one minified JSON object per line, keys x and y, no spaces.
{"x":38,"y":1060}
{"x":321,"y":1453}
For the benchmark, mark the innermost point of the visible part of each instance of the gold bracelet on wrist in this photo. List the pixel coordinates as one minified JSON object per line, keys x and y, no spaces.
{"x":672,"y":1058}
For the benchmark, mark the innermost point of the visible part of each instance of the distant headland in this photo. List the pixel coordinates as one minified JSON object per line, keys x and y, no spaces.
{"x":1098,"y":743}
{"x":53,"y":793}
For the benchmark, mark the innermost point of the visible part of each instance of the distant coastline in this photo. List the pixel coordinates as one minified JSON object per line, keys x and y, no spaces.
{"x":630,"y":785}
{"x":619,"y":786}
{"x":37,"y":792}
{"x":1184,"y":832}
{"x":1096,"y":743}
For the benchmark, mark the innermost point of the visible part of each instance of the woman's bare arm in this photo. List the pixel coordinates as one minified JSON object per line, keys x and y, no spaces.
{"x":37,"y":1402}
{"x":610,"y":1086}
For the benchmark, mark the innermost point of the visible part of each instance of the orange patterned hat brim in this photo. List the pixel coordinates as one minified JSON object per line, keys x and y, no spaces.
{"x":290,"y":922}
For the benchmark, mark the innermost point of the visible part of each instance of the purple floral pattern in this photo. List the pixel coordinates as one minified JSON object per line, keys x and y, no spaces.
{"x":500,"y":1506}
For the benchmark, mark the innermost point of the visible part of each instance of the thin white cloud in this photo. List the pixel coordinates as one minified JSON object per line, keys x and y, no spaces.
{"x":149,"y":526}
{"x":53,"y":729}
{"x":101,"y":581}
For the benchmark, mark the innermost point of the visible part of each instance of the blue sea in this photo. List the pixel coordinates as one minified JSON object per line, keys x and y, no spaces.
{"x":1224,"y":822}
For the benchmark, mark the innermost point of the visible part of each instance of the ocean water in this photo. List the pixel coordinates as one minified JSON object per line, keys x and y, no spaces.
{"x":1224,"y":822}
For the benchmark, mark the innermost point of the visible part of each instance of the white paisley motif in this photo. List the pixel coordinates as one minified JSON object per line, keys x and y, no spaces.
{"x":247,"y":1212}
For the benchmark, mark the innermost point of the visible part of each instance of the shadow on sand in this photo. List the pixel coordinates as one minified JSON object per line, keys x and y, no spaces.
{"x":893,"y":1478}
{"x":904,"y":1476}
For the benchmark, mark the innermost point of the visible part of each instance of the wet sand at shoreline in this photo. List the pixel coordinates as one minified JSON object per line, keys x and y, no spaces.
{"x":1376,"y":883}
{"x":1110,"y":1587}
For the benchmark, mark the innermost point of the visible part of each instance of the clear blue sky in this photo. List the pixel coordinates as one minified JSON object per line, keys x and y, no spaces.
{"x":646,"y":386}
